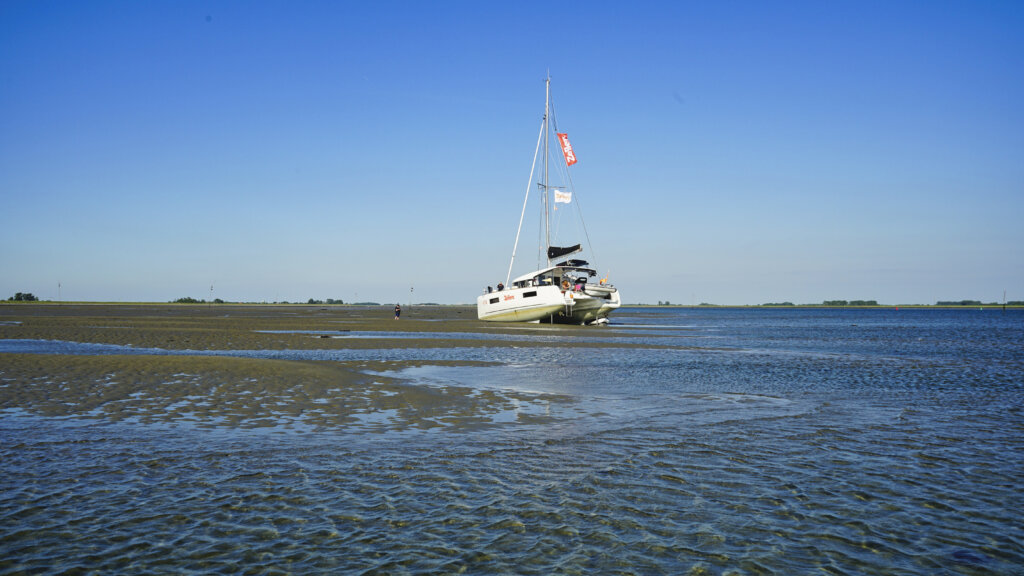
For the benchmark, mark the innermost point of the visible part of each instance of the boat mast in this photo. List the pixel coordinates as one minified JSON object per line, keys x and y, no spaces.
{"x":544,"y":186}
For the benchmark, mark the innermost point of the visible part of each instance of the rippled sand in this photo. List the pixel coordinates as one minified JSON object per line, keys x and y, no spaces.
{"x":248,"y":392}
{"x":168,"y":439}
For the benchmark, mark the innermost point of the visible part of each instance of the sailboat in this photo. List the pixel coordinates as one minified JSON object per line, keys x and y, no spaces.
{"x":564,"y":290}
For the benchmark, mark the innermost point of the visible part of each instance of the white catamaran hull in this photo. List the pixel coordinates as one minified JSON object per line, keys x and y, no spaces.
{"x":590,"y":308}
{"x":548,"y":304}
{"x":531,"y":304}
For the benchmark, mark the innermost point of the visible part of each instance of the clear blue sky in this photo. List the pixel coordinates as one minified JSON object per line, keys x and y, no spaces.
{"x":730,"y":152}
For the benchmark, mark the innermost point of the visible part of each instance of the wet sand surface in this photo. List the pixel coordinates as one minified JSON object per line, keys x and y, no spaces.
{"x":255,"y":392}
{"x":240,"y":327}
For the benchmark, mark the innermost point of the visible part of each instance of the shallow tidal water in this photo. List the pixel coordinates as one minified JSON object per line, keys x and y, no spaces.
{"x":739,"y":442}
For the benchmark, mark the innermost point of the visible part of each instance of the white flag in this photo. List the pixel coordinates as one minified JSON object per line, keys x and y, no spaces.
{"x":563,"y":197}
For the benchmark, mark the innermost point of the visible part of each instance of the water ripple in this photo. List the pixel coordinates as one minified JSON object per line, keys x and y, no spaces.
{"x":891,"y":455}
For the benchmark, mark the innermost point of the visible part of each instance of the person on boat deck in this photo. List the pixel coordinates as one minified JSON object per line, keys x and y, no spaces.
{"x":398,"y":311}
{"x":500,"y":286}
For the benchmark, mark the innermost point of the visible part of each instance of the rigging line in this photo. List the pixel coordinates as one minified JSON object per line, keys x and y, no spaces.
{"x":579,"y":210}
{"x":541,"y":246}
{"x":572,"y":187}
{"x":523,"y":213}
{"x":554,"y":121}
{"x":561,"y":216}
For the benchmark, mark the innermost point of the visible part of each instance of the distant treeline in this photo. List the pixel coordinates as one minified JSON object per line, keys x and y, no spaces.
{"x":23,"y":297}
{"x":829,"y":303}
{"x":190,"y":300}
{"x":875,"y":303}
{"x":976,"y":303}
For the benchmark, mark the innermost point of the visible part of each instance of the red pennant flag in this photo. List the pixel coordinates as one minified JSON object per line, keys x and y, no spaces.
{"x":570,"y":156}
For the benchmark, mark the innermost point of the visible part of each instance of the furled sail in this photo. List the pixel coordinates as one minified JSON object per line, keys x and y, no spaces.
{"x":558,"y":252}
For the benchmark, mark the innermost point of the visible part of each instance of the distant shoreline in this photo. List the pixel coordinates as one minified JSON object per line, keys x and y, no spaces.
{"x":828,"y":307}
{"x":435,"y":305}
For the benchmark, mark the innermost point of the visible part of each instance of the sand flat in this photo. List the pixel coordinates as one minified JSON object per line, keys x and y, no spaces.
{"x":243,"y":392}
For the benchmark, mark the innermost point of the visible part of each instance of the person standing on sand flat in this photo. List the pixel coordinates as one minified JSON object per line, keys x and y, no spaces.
{"x":398,"y":311}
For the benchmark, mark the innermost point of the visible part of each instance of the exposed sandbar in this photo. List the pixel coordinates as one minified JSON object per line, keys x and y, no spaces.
{"x":258,"y":327}
{"x":249,"y":392}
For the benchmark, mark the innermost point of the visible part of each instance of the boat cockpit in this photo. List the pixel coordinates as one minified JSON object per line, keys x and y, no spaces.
{"x":567,"y":277}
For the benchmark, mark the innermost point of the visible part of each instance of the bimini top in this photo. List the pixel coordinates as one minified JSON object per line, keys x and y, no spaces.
{"x":548,"y":271}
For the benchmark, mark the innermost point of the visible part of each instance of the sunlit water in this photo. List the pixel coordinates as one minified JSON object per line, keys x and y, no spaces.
{"x":774,"y":442}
